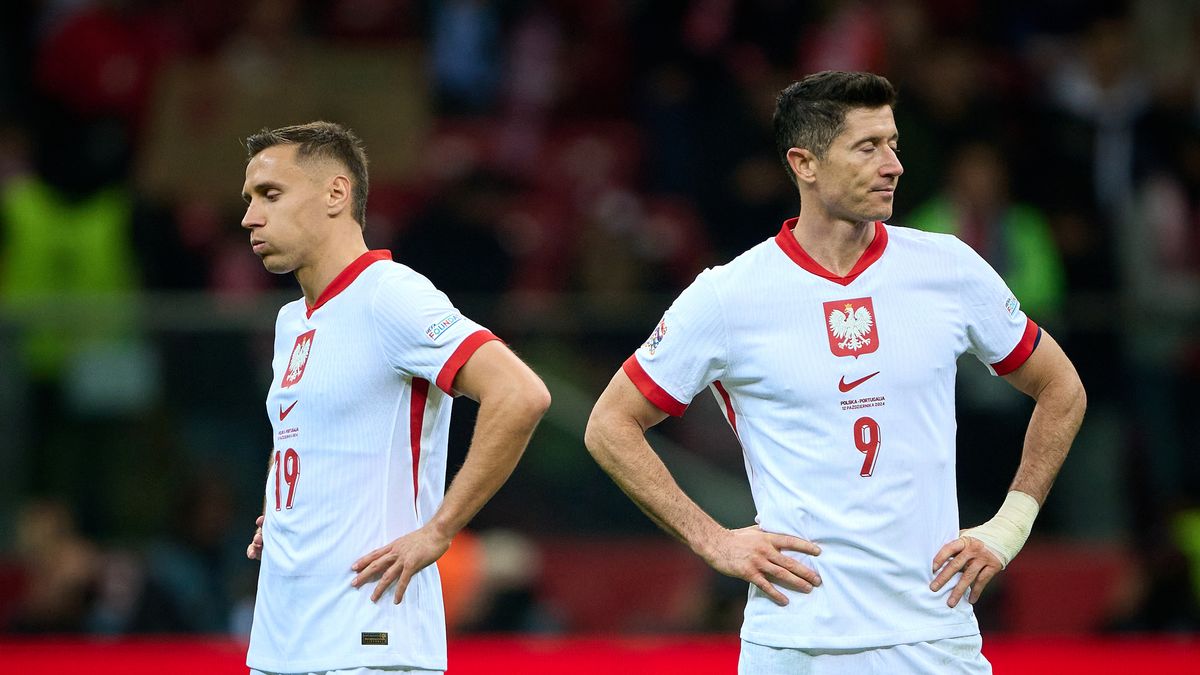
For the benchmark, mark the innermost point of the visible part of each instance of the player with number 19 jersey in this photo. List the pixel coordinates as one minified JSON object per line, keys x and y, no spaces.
{"x":360,"y":408}
{"x":840,"y":391}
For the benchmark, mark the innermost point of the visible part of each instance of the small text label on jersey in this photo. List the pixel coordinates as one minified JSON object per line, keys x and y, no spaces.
{"x":656,"y":337}
{"x":436,"y":330}
{"x":1011,"y":305}
{"x":374,"y":638}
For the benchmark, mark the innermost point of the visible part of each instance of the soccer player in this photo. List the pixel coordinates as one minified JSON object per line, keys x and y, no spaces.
{"x":366,"y":366}
{"x":831,"y":349}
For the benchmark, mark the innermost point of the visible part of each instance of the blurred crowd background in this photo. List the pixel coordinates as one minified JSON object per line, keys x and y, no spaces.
{"x":562,"y":169}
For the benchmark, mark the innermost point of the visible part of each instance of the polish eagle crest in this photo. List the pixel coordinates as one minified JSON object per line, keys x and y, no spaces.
{"x":298,"y":360}
{"x":851,"y":327}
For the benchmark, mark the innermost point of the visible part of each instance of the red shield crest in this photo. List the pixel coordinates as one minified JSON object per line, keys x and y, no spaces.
{"x":299,"y":359}
{"x":850,"y":327}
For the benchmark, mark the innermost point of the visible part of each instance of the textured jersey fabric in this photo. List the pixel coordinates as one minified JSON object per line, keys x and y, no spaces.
{"x":360,"y":406}
{"x":841,"y":393}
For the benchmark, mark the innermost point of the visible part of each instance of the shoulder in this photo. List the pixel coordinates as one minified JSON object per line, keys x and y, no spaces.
{"x":933,"y":247}
{"x":904,"y":236}
{"x":395,"y":280}
{"x":753,"y":263}
{"x":395,"y":273}
{"x":294,"y":309}
{"x":401,"y":295}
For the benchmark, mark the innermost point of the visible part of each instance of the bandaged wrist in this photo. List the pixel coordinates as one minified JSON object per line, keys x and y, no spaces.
{"x":1007,"y":531}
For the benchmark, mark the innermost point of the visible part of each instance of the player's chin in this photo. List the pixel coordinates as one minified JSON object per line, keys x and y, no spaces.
{"x":872,"y":215}
{"x":276,"y":265}
{"x":881,"y":208}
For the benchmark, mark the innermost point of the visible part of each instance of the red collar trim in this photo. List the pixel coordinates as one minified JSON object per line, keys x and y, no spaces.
{"x":347,"y":276}
{"x":787,"y":242}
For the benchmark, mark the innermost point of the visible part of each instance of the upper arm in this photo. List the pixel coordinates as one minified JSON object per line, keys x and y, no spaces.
{"x":420,"y":333}
{"x":493,"y":370}
{"x":999,"y":334}
{"x":684,"y":354}
{"x":1047,"y":365}
{"x":622,"y":401}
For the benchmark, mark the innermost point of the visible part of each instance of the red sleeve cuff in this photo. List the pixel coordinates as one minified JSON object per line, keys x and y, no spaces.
{"x":1020,"y":353}
{"x":445,"y":378}
{"x":650,"y":389}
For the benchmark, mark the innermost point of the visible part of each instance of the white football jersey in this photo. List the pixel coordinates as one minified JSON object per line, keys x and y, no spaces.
{"x":840,"y":391}
{"x":360,"y":406}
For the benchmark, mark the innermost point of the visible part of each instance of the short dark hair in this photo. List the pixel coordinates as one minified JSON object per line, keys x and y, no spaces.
{"x":811,"y":113}
{"x":322,"y":140}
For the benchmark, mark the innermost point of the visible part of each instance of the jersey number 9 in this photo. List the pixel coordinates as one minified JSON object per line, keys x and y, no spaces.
{"x":866,"y":438}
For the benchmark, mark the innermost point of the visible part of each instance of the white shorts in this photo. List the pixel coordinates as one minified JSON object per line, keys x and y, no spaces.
{"x":951,"y":656}
{"x":383,"y":670}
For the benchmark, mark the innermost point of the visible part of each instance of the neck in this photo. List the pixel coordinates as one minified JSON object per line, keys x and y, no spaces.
{"x":335,"y":256}
{"x":833,"y":244}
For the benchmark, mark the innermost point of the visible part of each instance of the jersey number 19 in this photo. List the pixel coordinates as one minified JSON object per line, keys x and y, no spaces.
{"x":289,"y":466}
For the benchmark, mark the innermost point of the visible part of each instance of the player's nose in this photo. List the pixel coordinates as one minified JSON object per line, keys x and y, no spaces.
{"x":253,"y":218}
{"x":892,"y":167}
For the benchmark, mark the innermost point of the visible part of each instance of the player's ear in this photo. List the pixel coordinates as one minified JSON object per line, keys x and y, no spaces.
{"x":803,"y":164}
{"x":337,"y":195}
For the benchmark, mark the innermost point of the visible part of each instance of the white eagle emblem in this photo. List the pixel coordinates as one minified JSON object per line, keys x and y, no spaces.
{"x":299,"y":359}
{"x":851,"y":327}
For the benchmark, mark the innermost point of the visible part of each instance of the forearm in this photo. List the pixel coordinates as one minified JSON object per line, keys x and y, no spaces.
{"x":1055,"y":420}
{"x":619,"y":446}
{"x":1052,"y":428}
{"x":503,"y":428}
{"x":1051,"y":380}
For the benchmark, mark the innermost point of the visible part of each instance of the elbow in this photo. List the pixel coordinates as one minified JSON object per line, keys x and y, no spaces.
{"x":522,"y":400}
{"x":534,"y":400}
{"x":1070,"y":398}
{"x":600,"y":436}
{"x":539,"y":399}
{"x":1079,"y":397}
{"x":593,"y":436}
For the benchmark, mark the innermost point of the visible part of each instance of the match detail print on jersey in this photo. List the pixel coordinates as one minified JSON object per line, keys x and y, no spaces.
{"x":850,"y":327}
{"x":299,"y":359}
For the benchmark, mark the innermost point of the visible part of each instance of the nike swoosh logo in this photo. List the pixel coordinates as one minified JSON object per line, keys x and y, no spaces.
{"x":285,"y":411}
{"x":843,"y":385}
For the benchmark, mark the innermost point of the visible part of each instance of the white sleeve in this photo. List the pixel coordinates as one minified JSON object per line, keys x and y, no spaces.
{"x":999,"y":333}
{"x":685,"y":353}
{"x":420,"y":332}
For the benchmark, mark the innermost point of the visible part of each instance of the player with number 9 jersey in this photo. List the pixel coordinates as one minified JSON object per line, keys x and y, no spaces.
{"x":832,"y":349}
{"x":841,"y":393}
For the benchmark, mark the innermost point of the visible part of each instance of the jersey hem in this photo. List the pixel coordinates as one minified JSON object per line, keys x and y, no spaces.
{"x":650,"y":389}
{"x":788,"y":641}
{"x":466,"y":348}
{"x":318,"y":666}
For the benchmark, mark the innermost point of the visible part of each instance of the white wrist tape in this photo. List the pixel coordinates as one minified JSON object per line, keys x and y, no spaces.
{"x":1007,"y":531}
